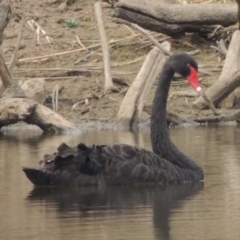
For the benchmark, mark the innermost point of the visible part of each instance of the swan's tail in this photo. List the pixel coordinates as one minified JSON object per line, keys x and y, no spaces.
{"x":69,"y":164}
{"x":40,"y":178}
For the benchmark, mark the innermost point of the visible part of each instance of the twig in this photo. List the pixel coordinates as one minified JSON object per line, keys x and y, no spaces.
{"x":212,"y":35}
{"x":124,"y":91}
{"x":55,"y":98}
{"x":85,"y":111}
{"x":144,"y":32}
{"x":121,"y":81}
{"x":15,"y":54}
{"x":220,"y":65}
{"x":95,"y":96}
{"x":210,"y":104}
{"x":185,"y":93}
{"x":85,"y":100}
{"x":84,"y":57}
{"x":75,"y":50}
{"x":84,"y":67}
{"x":222,"y":47}
{"x":80,"y":43}
{"x":127,"y":63}
{"x":96,"y":70}
{"x":77,"y":103}
{"x":109,"y":86}
{"x":205,"y":72}
{"x":130,"y":30}
{"x":35,"y":27}
{"x":195,"y":52}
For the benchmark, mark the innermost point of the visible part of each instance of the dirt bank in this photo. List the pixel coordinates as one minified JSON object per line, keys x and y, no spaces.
{"x":77,"y":81}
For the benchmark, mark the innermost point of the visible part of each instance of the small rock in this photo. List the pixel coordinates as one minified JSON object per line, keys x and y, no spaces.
{"x":15,"y":91}
{"x":35,"y":89}
{"x":62,"y":7}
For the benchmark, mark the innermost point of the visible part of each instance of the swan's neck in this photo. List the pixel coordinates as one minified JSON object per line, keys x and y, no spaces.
{"x":159,"y":130}
{"x":161,"y":142}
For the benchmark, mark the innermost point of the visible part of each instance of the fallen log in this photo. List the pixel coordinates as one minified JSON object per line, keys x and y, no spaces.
{"x":176,"y":19}
{"x":14,"y":110}
{"x":229,"y":78}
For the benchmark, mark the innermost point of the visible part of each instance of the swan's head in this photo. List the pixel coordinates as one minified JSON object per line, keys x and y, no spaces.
{"x":186,"y":66}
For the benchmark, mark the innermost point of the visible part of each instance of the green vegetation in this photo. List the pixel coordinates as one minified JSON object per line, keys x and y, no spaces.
{"x":72,"y":23}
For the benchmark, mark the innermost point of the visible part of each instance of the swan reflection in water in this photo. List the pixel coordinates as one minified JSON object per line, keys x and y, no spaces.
{"x":104,"y":203}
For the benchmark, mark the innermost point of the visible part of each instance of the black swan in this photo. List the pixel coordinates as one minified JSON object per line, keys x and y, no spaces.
{"x":125,"y":164}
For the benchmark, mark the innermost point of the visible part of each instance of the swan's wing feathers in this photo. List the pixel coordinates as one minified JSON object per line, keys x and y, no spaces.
{"x":48,"y":161}
{"x":151,"y":159}
{"x":124,"y":152}
{"x":65,"y":151}
{"x":62,"y":158}
{"x":121,"y":151}
{"x":133,"y":164}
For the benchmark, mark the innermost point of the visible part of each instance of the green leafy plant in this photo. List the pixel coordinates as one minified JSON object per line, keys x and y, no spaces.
{"x":72,"y":23}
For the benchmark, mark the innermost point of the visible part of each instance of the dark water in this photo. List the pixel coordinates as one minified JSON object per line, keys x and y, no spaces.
{"x":194,"y":211}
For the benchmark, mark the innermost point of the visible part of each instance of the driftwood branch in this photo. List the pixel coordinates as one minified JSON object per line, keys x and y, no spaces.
{"x":109,"y":86}
{"x":14,"y":110}
{"x":210,"y":104}
{"x":229,"y":78}
{"x":175,"y":19}
{"x":221,"y":47}
{"x":132,"y":105}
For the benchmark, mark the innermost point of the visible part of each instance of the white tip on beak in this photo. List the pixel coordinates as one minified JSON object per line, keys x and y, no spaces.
{"x":199,"y":89}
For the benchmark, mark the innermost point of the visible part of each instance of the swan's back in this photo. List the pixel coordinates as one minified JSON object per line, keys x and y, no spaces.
{"x":108,"y":164}
{"x":130,"y":164}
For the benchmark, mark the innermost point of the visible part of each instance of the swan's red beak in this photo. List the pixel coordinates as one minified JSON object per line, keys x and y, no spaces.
{"x":194,"y":80}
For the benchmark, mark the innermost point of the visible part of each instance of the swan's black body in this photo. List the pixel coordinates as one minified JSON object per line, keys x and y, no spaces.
{"x":121,"y":163}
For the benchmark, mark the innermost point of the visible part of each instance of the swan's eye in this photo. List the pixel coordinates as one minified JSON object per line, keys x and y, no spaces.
{"x":188,"y":65}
